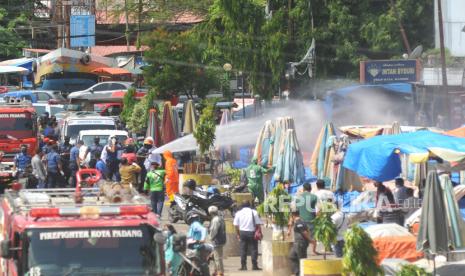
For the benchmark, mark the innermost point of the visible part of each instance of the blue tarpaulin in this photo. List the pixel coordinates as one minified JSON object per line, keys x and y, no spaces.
{"x":376,"y":158}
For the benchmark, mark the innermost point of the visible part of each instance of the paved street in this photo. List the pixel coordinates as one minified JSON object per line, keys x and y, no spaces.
{"x":232,"y":264}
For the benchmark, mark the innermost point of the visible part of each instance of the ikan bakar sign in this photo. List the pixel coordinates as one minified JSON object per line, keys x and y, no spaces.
{"x":86,"y":234}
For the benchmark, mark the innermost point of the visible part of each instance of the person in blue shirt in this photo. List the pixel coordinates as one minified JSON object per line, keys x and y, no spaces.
{"x":54,"y":168}
{"x":100,"y":165}
{"x":22,"y":160}
{"x":196,"y":237}
{"x":49,"y":131}
{"x":74,"y":162}
{"x":94,"y":149}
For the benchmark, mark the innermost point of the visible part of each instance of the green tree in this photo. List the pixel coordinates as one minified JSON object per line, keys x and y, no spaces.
{"x":140,"y":112}
{"x":177,"y":65}
{"x":204,"y":133}
{"x":129,"y":101}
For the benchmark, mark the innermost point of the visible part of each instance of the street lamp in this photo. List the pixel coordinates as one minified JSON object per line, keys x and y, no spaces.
{"x":227,"y":67}
{"x":243,"y":97}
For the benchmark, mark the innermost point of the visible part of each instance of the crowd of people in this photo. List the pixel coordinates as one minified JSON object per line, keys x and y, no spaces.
{"x":55,"y":164}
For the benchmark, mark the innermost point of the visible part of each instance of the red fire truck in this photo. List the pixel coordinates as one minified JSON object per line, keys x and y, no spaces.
{"x":57,"y":232}
{"x":18,"y":126}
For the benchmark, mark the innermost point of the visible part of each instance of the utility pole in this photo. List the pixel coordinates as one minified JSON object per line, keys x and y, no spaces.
{"x":139,"y":19}
{"x":401,"y":28}
{"x":443,"y":64}
{"x":290,"y":31}
{"x":127,"y":23}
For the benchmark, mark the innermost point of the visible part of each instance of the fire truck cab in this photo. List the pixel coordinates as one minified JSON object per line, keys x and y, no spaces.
{"x":57,"y":232}
{"x":18,"y":126}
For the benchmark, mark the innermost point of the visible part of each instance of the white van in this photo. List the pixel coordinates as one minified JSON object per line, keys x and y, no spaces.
{"x":73,"y":124}
{"x":88,"y":136}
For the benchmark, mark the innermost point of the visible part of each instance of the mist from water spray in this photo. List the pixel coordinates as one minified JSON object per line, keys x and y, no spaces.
{"x":367,"y":107}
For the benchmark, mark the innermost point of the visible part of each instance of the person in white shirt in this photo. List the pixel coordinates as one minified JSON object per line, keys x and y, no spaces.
{"x":341,"y":220}
{"x":322,"y":194}
{"x":246,"y":221}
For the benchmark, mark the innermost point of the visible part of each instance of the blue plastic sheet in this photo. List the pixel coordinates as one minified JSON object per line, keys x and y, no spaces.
{"x":376,"y":158}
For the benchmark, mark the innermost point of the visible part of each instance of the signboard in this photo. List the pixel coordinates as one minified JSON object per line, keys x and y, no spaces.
{"x":389,"y":71}
{"x":82,"y":30}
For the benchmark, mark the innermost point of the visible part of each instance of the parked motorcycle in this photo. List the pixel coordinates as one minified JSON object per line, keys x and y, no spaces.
{"x":181,"y":205}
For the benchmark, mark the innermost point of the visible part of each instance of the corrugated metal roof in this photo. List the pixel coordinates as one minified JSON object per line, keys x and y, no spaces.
{"x":433,"y":77}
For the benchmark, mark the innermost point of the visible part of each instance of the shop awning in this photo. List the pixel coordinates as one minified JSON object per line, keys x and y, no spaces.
{"x":13,"y":69}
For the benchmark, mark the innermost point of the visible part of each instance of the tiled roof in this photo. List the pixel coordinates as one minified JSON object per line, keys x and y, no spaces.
{"x":116,"y":49}
{"x":107,"y":18}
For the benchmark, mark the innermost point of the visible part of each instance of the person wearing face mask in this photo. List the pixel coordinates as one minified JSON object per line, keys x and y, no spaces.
{"x":172,"y":258}
{"x":141,"y":155}
{"x":21,"y":161}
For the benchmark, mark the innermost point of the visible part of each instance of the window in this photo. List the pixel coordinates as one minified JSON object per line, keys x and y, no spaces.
{"x":117,"y":86}
{"x":39,"y":109}
{"x":102,"y":87}
{"x":42,"y":96}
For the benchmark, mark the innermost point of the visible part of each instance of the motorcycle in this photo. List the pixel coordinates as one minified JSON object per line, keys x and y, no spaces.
{"x":181,"y":205}
{"x":205,"y":199}
{"x":196,"y":262}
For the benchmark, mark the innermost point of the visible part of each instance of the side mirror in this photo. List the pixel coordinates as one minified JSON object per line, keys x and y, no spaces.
{"x":91,"y":90}
{"x":5,"y":249}
{"x":159,"y":238}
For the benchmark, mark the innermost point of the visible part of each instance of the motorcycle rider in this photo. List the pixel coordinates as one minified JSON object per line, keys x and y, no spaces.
{"x":196,"y":237}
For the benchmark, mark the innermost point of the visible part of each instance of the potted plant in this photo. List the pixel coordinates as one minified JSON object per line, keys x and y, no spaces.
{"x":277,"y":212}
{"x":325,"y":232}
{"x":324,"y":229}
{"x":275,"y":260}
{"x":359,"y":254}
{"x":412,"y":270}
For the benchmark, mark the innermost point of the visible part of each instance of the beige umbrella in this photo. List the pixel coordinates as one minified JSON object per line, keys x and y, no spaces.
{"x":189,"y":123}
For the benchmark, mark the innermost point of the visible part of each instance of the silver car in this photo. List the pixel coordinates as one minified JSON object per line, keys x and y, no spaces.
{"x":106,"y":87}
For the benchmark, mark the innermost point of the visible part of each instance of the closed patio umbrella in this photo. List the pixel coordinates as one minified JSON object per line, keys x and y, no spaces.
{"x":290,"y":165}
{"x":433,"y":236}
{"x":189,"y":122}
{"x":264,"y":146}
{"x":153,"y":127}
{"x":323,"y":152}
{"x":168,"y":133}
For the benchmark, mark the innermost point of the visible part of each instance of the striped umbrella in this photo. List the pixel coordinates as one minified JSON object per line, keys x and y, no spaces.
{"x":168,"y":133}
{"x":282,"y":124}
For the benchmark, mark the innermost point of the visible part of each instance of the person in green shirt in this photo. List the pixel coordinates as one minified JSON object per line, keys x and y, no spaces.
{"x":254,"y":173}
{"x":305,"y":204}
{"x":154,"y":184}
